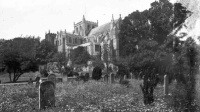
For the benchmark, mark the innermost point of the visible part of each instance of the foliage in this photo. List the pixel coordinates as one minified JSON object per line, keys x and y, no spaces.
{"x":80,"y":56}
{"x":17,"y":58}
{"x":96,"y":73}
{"x":45,"y":52}
{"x":91,"y":96}
{"x":60,"y":57}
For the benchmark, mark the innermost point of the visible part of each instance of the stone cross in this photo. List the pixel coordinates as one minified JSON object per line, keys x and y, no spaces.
{"x":52,"y":77}
{"x":112,"y":78}
{"x":46,"y":95}
{"x":166,"y":88}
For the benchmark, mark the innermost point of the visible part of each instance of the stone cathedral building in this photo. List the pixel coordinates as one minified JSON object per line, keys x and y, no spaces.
{"x":96,"y":39}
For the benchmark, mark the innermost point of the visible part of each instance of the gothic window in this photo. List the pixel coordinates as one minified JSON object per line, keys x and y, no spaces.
{"x":97,"y":48}
{"x":70,"y":40}
{"x":88,"y":27}
{"x":77,"y":30}
{"x":66,"y":40}
{"x":76,"y":41}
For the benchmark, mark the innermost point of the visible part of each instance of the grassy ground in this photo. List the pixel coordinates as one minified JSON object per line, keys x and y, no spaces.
{"x":4,"y":77}
{"x":92,"y":96}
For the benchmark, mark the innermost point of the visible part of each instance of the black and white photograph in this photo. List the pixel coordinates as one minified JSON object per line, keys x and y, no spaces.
{"x":99,"y":56}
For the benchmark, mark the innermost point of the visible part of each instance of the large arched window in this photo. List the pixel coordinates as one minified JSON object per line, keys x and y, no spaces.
{"x":70,"y":40}
{"x":76,"y":41}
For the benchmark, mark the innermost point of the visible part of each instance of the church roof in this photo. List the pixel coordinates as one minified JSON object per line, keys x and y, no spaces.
{"x":70,"y":34}
{"x":73,"y":35}
{"x":101,"y":29}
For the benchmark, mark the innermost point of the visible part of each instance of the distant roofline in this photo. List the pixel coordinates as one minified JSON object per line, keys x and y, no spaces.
{"x":86,"y":21}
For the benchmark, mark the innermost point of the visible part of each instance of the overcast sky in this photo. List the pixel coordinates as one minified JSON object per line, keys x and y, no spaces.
{"x":35,"y":17}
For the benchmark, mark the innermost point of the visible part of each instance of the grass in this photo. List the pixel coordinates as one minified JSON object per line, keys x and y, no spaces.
{"x":91,"y":96}
{"x":94,"y":96}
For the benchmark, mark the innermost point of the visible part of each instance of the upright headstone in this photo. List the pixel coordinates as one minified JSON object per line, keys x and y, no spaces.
{"x":131,"y":74}
{"x":112,"y":78}
{"x":125,"y":77}
{"x":46,"y":95}
{"x":166,"y":85}
{"x":105,"y":78}
{"x":52,"y":77}
{"x":87,"y":76}
{"x":37,"y":82}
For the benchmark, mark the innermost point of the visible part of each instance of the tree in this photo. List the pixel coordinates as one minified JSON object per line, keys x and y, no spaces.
{"x":80,"y":56}
{"x":145,"y":39}
{"x":17,"y":58}
{"x":45,"y":52}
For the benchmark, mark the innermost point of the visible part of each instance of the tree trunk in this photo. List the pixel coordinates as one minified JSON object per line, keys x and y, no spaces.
{"x":148,"y":87}
{"x":10,"y":77}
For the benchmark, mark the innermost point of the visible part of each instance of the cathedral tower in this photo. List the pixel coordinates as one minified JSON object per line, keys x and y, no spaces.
{"x":83,"y":27}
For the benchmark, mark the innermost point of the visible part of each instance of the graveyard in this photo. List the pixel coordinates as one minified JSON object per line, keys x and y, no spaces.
{"x":93,"y":96}
{"x":142,"y":61}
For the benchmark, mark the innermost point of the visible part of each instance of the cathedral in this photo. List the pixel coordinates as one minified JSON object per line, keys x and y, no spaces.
{"x":96,"y":39}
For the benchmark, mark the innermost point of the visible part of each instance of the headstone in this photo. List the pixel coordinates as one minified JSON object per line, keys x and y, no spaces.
{"x":105,"y":78}
{"x":131,"y":74}
{"x":30,"y":82}
{"x":52,"y":77}
{"x":46,"y":95}
{"x":112,"y":77}
{"x":37,"y":82}
{"x":87,"y":76}
{"x":125,"y":77}
{"x":166,"y":85}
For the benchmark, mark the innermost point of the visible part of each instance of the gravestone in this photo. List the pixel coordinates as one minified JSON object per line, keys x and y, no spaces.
{"x":105,"y":78}
{"x":87,"y":76}
{"x":37,"y":83}
{"x":131,"y":74}
{"x":52,"y":77}
{"x":112,"y":78}
{"x":166,"y":86}
{"x":46,"y":95}
{"x":125,"y":77}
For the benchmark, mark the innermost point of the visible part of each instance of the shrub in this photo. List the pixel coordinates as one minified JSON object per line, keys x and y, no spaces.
{"x":97,"y":73}
{"x":125,"y":83}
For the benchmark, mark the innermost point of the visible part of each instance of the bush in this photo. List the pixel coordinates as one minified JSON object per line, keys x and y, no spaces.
{"x":125,"y":83}
{"x":97,"y":73}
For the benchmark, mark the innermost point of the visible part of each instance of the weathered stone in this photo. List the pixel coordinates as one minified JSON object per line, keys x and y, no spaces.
{"x":105,"y":78}
{"x":52,"y":77}
{"x":166,"y":86}
{"x":125,"y":77}
{"x":87,"y":76}
{"x":112,"y":78}
{"x":46,"y":95}
{"x":131,"y":74}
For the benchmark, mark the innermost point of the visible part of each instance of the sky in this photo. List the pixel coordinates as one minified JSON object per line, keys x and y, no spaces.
{"x":35,"y":17}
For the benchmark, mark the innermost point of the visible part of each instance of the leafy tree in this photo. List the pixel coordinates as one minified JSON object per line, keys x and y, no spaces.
{"x":96,"y":73}
{"x":80,"y":56}
{"x":146,"y":43}
{"x":18,"y":55}
{"x":45,"y":52}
